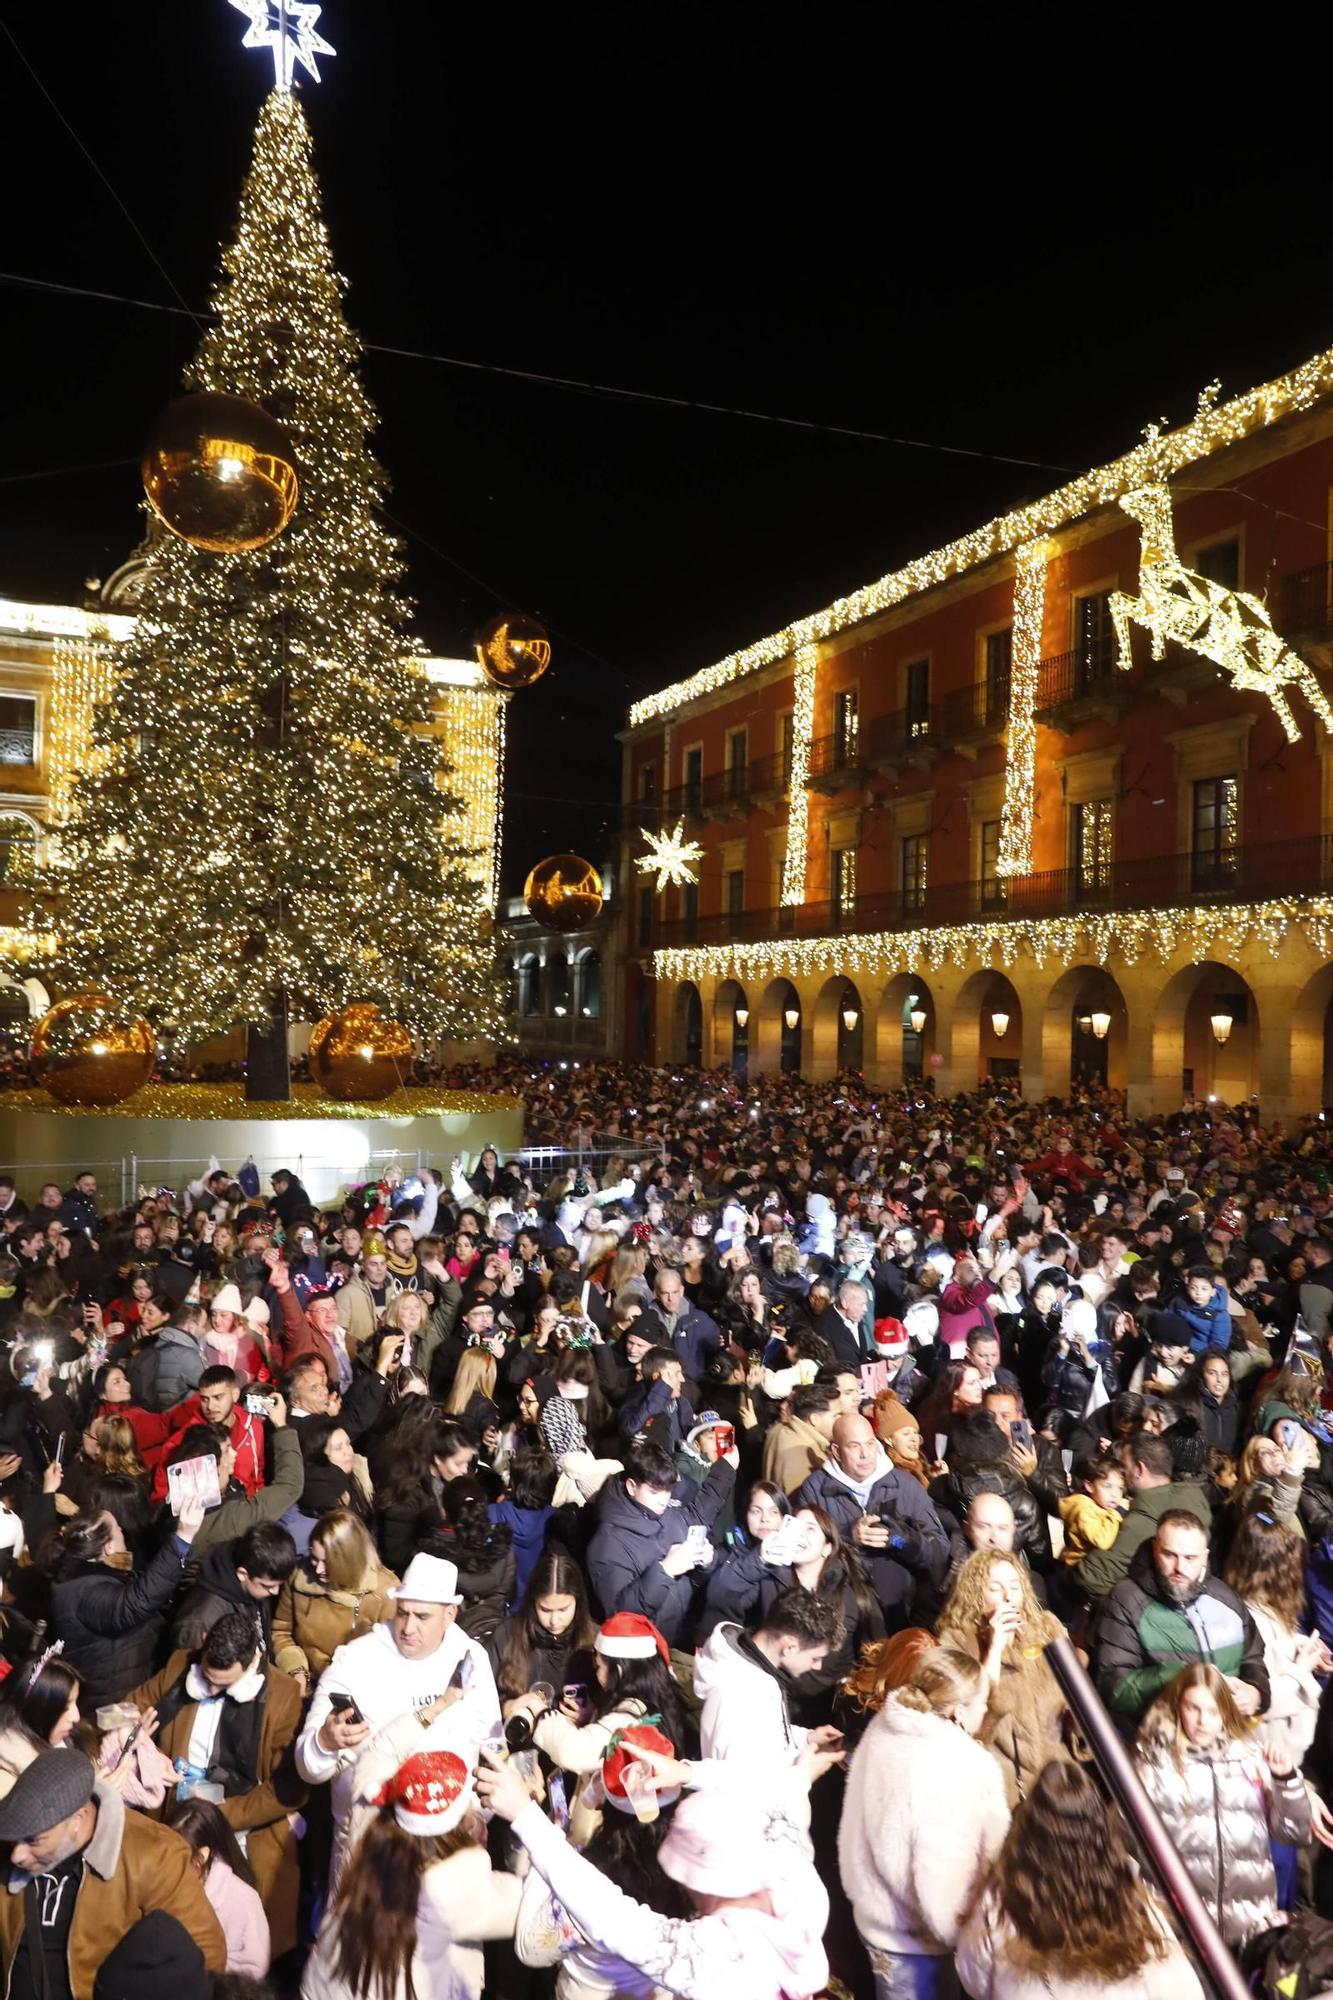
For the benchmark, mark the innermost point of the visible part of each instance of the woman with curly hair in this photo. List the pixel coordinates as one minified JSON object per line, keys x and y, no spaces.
{"x":1066,"y":1912}
{"x":993,"y":1616}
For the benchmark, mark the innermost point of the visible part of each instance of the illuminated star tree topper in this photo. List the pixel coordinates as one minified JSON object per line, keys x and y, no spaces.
{"x":672,"y":856}
{"x":291,"y":37}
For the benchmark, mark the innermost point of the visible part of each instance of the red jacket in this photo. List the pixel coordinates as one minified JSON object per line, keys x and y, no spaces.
{"x":247,"y":1438}
{"x":295,"y":1336}
{"x":1060,"y":1166}
{"x":151,"y":1430}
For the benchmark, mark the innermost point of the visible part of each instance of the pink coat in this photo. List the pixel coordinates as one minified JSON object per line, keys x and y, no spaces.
{"x":241,"y":1914}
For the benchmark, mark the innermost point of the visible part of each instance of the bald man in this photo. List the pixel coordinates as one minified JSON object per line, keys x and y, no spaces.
{"x":884,"y":1513}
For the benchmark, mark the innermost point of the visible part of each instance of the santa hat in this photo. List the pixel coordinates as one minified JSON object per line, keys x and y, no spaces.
{"x":891,"y":1338}
{"x":628,"y":1635}
{"x":429,"y":1793}
{"x":620,"y":1753}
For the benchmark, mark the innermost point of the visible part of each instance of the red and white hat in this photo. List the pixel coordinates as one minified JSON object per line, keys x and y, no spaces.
{"x":628,"y":1635}
{"x":620,"y":1753}
{"x":891,"y":1338}
{"x":429,"y":1793}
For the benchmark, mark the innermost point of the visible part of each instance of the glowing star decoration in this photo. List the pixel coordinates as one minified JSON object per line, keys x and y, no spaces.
{"x":672,"y":856}
{"x":291,"y":37}
{"x":1228,"y":627}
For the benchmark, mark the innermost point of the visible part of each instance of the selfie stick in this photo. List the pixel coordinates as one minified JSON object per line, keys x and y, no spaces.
{"x":1218,"y":1969}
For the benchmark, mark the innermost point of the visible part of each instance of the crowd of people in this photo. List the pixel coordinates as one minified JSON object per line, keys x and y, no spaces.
{"x":629,"y":1568}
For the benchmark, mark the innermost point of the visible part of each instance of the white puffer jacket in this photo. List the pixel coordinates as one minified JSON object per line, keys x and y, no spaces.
{"x":924,"y":1816}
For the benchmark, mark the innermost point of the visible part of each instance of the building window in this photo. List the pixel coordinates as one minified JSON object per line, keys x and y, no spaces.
{"x":691,"y":905}
{"x":590,"y":986}
{"x":694,"y":776}
{"x":1092,"y":847}
{"x":844,"y":881}
{"x":999,"y":660}
{"x":1220,"y":562}
{"x":1094,"y":639}
{"x":912,"y":873}
{"x":737,"y":756}
{"x":846,"y":728}
{"x":529,"y":987}
{"x":786,"y":737}
{"x":916,"y":698}
{"x":994,"y":888}
{"x":645,"y":918}
{"x":735,"y":891}
{"x":18,"y":729}
{"x":647,"y":783}
{"x":1214,"y":847}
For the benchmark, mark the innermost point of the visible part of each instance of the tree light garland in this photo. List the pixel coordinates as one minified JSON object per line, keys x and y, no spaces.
{"x":798,"y":804}
{"x":266,"y":815}
{"x":1020,"y":776}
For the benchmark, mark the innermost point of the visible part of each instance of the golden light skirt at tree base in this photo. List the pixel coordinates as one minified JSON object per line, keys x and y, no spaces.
{"x":88,"y":1051}
{"x":358,"y":1053}
{"x":229,"y":1101}
{"x":514,"y":650}
{"x":564,"y":892}
{"x":221,"y":473}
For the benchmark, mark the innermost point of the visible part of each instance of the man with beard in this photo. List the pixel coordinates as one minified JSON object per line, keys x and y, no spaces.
{"x":1167,"y":1614}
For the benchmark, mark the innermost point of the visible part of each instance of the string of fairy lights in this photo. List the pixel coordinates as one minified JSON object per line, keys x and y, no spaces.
{"x":1020,"y":776}
{"x":1095,"y":938}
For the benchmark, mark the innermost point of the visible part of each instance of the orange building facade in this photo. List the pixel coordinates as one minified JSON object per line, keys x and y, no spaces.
{"x":965,"y":824}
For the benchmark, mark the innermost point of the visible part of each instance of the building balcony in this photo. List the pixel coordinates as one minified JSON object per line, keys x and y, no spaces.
{"x":1304,"y":604}
{"x":836,"y":763}
{"x":1260,"y":871}
{"x":1077,"y":686}
{"x":719,"y":795}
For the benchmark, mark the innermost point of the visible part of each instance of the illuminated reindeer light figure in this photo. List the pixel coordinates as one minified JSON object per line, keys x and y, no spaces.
{"x":1229,"y":627}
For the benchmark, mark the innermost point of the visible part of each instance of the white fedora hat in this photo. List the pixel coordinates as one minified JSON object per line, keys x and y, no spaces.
{"x":429,"y":1580}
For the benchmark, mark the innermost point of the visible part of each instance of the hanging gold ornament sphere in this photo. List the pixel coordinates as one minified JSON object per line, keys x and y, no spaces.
{"x":90,"y":1050}
{"x":564,"y":892}
{"x":514,"y":650}
{"x":357,"y":1054}
{"x":221,"y":473}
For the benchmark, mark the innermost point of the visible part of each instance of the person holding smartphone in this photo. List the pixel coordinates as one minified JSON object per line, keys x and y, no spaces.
{"x":417,"y":1681}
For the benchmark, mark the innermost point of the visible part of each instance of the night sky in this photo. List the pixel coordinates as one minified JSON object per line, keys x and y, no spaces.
{"x":984,"y":235}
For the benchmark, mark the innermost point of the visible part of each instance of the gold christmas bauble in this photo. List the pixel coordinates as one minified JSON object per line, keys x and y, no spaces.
{"x":513,"y":649}
{"x":564,"y":892}
{"x":357,"y":1053}
{"x":91,"y":1050}
{"x":221,"y":473}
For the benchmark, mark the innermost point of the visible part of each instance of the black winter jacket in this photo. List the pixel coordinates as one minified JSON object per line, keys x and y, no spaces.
{"x":111,"y":1620}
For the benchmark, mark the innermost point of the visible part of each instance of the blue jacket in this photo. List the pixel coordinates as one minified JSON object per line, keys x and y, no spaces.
{"x":651,"y":1400}
{"x":918,"y":1546}
{"x":527,"y":1527}
{"x":1210,"y":1325}
{"x":731,"y":1593}
{"x":626,"y":1551}
{"x":694,"y":1338}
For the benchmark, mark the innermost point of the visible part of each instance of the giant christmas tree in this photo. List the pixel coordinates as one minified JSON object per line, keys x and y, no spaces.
{"x":262,"y":830}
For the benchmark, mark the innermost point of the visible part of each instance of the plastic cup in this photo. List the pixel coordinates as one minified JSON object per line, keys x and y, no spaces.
{"x":544,"y":1692}
{"x":641,"y":1791}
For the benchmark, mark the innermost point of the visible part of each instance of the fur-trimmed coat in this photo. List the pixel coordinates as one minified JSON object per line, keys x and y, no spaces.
{"x":923,"y":1818}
